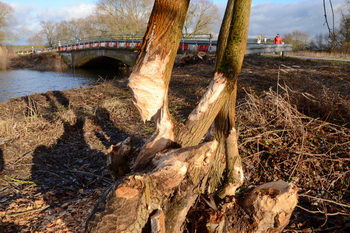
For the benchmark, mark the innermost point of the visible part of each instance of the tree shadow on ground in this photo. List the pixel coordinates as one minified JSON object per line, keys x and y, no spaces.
{"x":71,"y":164}
{"x":109,"y":134}
{"x":65,"y":169}
{"x":70,"y":169}
{"x":9,"y":227}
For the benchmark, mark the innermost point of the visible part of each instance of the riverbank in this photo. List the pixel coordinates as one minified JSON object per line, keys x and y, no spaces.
{"x":40,"y":61}
{"x":293,"y":118}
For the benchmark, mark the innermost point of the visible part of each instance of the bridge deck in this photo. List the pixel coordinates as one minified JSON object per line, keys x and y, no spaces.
{"x":199,"y":43}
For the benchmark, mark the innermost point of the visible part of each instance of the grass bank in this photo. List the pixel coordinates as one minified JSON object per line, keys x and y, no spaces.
{"x":321,"y":55}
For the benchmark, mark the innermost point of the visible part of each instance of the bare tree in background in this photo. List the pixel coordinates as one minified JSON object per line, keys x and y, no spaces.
{"x":300,"y":40}
{"x":320,"y":43}
{"x":76,"y":29}
{"x":175,"y":165}
{"x":344,"y":27}
{"x":124,"y":17}
{"x":127,"y":17}
{"x":5,"y":14}
{"x":36,"y":40}
{"x":49,"y":31}
{"x":201,"y":17}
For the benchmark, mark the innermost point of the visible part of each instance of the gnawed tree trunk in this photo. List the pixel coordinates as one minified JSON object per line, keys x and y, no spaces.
{"x":134,"y":199}
{"x":150,"y":78}
{"x":166,"y":182}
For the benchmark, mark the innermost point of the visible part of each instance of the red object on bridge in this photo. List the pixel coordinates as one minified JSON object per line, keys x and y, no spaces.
{"x":203,"y":48}
{"x":183,"y":46}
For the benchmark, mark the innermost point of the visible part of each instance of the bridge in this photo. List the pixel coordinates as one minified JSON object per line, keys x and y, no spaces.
{"x":82,"y":57}
{"x":124,"y":48}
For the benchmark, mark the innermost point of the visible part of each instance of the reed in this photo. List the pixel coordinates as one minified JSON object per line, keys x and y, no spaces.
{"x":3,"y":58}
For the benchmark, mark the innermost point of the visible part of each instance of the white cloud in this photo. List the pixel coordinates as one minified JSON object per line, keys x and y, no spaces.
{"x":67,"y":13}
{"x":307,"y":16}
{"x":25,"y":21}
{"x":27,"y":17}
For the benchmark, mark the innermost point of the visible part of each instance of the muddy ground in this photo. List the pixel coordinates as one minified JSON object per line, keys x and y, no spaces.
{"x":293,"y":118}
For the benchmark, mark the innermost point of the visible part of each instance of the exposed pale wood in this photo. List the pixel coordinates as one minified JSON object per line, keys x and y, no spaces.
{"x":176,"y":171}
{"x":202,"y":117}
{"x":267,"y":208}
{"x":149,"y":87}
{"x":160,"y":140}
{"x":273,"y":204}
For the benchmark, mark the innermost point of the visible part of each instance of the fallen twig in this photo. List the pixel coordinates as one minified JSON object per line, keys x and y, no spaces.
{"x":299,"y":156}
{"x":20,"y":181}
{"x":322,"y":212}
{"x":29,"y":211}
{"x":325,"y":200}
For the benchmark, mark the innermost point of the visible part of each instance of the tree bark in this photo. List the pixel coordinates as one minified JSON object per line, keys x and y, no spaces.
{"x":232,"y":44}
{"x":149,"y":81}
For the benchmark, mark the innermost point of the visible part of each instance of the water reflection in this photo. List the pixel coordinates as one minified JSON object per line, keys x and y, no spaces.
{"x":17,"y":83}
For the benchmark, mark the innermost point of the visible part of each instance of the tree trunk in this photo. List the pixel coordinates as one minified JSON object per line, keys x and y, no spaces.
{"x":232,"y":44}
{"x":150,"y":78}
{"x":159,"y":200}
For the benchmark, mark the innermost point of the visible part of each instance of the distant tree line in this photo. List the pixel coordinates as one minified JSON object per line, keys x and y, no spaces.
{"x":113,"y":17}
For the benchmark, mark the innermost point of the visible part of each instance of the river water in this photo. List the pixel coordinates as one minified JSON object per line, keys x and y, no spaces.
{"x":17,"y":83}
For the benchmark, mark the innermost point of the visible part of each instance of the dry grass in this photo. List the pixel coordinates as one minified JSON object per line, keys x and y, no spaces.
{"x":278,"y":142}
{"x":326,"y":55}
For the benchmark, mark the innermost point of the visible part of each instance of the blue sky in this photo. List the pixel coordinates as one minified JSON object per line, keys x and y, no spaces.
{"x":268,"y":17}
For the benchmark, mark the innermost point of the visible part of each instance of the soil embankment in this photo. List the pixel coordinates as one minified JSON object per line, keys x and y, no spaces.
{"x":38,"y":61}
{"x":293,"y":118}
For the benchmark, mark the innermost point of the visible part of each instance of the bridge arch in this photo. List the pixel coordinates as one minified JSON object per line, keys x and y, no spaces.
{"x":79,"y":58}
{"x":101,"y":62}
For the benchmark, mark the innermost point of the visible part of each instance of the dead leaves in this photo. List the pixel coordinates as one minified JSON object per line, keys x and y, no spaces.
{"x":36,"y":215}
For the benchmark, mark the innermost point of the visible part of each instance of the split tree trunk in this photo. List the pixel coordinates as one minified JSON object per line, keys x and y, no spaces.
{"x":159,"y":200}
